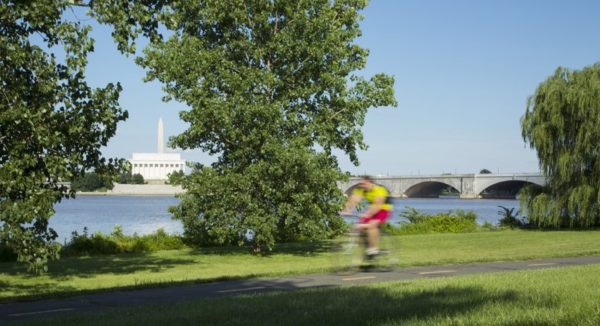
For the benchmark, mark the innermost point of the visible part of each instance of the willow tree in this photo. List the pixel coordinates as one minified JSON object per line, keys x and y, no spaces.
{"x":272,"y":91}
{"x":52,"y":124}
{"x":562,"y":123}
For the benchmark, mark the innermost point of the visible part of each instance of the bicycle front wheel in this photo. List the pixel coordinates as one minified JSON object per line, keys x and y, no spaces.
{"x":348,"y":255}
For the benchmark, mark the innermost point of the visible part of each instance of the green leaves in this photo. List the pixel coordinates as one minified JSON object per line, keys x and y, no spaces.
{"x":267,"y":83}
{"x":289,"y":196}
{"x":129,"y":19}
{"x":52,"y":124}
{"x":562,"y":123}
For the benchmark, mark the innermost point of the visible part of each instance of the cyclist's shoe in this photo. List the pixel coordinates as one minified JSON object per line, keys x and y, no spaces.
{"x":372,"y":253}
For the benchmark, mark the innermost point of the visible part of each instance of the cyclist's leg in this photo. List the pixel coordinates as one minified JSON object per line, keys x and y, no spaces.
{"x":374,"y":229}
{"x":370,"y":228}
{"x":362,"y":225}
{"x":373,"y":234}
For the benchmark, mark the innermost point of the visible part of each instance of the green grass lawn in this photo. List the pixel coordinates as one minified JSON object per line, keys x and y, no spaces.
{"x":81,"y":274}
{"x":562,"y":296}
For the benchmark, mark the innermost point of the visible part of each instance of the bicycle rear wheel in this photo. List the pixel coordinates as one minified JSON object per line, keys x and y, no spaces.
{"x":389,"y":253}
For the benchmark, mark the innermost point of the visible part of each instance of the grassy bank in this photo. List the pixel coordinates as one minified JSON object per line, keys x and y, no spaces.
{"x":77,"y":274}
{"x":565,"y":296}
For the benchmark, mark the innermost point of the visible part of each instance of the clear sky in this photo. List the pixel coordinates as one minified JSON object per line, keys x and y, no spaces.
{"x":463,"y":69}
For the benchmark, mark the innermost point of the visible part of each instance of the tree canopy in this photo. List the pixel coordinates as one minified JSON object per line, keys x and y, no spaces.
{"x":272,"y":91}
{"x":562,"y":123}
{"x":52,"y":124}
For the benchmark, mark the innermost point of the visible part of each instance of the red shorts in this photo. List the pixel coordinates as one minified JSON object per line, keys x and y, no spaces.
{"x":380,"y":217}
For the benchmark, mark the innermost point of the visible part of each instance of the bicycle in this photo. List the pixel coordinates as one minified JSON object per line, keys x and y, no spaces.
{"x":351,"y":256}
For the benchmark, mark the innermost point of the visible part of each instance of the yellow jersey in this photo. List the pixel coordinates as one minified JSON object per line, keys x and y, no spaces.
{"x":374,"y":192}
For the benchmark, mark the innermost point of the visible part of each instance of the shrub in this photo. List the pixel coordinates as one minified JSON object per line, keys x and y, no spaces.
{"x":84,"y":244}
{"x":413,"y":215}
{"x":458,"y":221}
{"x":137,"y":179}
{"x":487,"y":225}
{"x":116,"y":242}
{"x":509,"y":218}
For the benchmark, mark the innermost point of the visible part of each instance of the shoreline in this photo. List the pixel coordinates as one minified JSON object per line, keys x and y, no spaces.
{"x":137,"y":190}
{"x":109,"y":194}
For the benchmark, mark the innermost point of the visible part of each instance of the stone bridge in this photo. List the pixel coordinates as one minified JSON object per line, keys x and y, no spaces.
{"x":463,"y":185}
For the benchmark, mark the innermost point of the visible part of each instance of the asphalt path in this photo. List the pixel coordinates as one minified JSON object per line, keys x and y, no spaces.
{"x":10,"y":312}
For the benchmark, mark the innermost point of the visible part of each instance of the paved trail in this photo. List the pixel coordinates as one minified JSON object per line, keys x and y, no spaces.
{"x":110,"y":300}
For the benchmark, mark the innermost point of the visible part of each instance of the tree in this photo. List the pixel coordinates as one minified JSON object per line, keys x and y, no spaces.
{"x":91,"y":182}
{"x":52,"y":124}
{"x":125,"y":177}
{"x":272,"y":92}
{"x":485,"y":171}
{"x":128,"y":178}
{"x":176,"y":178}
{"x":137,"y":179}
{"x":562,"y":124}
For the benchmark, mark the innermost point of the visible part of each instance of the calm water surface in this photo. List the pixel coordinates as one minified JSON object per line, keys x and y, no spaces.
{"x":136,"y":214}
{"x":146,"y":214}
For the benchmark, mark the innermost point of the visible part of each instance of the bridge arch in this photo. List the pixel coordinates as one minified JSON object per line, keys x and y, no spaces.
{"x":428,"y":189}
{"x":505,"y":189}
{"x":467,"y":185}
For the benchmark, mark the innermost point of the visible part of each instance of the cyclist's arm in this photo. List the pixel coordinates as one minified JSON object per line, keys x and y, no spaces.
{"x":374,"y":207}
{"x":351,"y":203}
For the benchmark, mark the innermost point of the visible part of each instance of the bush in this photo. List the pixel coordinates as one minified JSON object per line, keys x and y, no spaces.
{"x":84,"y":244}
{"x":137,"y":179}
{"x":487,"y":225}
{"x":458,"y":221}
{"x":413,"y":215}
{"x":509,"y":218}
{"x":117,"y":242}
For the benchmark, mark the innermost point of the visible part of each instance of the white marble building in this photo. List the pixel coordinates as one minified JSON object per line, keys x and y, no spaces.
{"x":157,"y":166}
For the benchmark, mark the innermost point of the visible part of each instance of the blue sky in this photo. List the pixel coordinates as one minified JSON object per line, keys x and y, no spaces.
{"x":463,"y":69}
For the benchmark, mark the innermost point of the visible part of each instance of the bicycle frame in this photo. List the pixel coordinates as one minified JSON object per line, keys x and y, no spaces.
{"x":351,"y":256}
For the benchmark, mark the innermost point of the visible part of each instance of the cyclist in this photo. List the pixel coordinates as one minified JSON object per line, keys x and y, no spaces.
{"x":379,"y":211}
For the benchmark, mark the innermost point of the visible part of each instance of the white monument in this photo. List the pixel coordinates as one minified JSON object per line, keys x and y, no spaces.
{"x":157,"y":166}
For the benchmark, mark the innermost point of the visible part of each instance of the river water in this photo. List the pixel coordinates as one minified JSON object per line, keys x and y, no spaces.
{"x":146,"y":214}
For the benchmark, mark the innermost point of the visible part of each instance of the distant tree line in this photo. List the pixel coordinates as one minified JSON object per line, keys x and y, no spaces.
{"x":128,"y":178}
{"x":93,"y":181}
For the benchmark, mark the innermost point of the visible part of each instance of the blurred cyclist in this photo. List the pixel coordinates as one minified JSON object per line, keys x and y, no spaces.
{"x":379,"y":211}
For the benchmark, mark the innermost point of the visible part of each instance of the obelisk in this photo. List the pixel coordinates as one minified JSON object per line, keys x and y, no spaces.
{"x":161,"y":144}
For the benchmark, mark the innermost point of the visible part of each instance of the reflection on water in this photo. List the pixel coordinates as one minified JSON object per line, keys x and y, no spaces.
{"x":146,"y":214}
